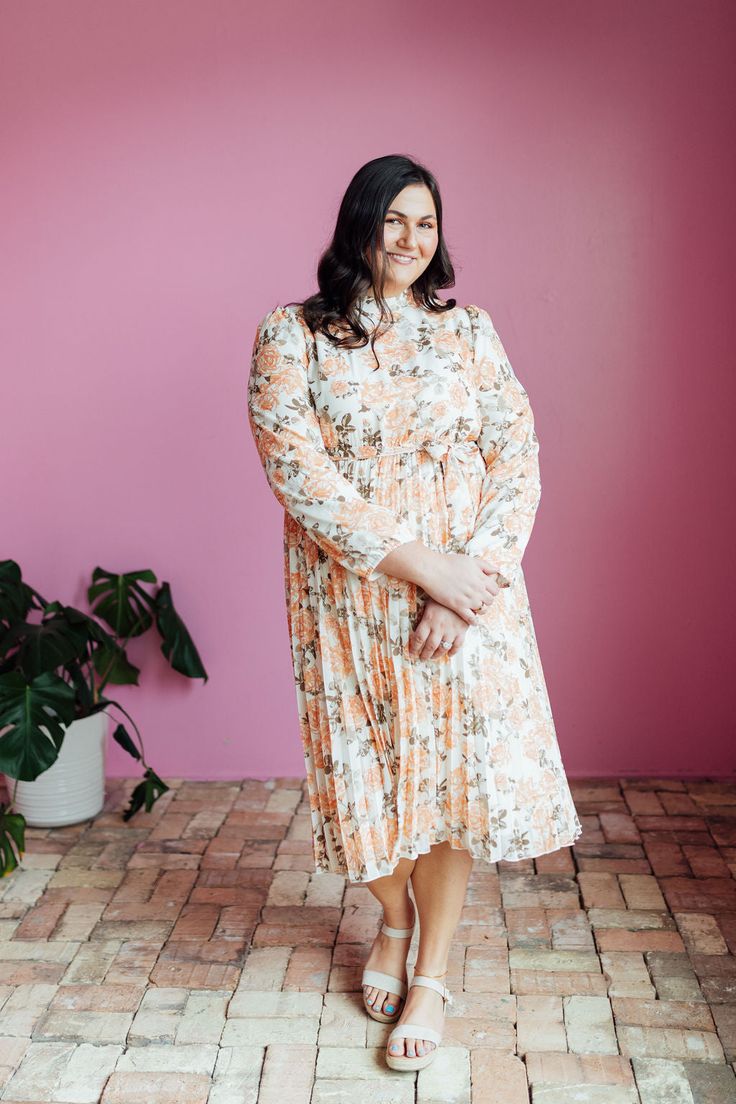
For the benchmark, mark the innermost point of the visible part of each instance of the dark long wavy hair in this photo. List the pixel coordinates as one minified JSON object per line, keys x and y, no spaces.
{"x":344,"y":273}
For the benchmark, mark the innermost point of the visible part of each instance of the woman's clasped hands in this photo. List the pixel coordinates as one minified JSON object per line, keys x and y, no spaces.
{"x":437,"y":624}
{"x":459,"y":589}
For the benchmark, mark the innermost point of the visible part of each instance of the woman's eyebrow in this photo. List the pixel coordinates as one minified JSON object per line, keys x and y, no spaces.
{"x":393,"y":211}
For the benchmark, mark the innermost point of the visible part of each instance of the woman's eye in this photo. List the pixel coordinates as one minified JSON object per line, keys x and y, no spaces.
{"x":427,"y":224}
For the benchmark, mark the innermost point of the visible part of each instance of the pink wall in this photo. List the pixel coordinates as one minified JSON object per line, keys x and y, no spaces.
{"x":172,"y":170}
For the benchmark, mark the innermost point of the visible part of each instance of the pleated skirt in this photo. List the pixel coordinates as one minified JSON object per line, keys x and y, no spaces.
{"x":402,"y":753}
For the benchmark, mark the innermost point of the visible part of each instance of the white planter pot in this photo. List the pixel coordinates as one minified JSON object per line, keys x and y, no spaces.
{"x":73,"y":789}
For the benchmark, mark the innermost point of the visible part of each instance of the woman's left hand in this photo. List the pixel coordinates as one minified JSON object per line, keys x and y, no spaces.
{"x":436,"y":623}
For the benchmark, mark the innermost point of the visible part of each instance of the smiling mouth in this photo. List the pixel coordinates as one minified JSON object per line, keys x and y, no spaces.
{"x":402,"y":258}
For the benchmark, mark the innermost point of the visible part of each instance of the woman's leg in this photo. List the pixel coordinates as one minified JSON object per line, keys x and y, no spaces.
{"x":439,"y":881}
{"x":389,"y":952}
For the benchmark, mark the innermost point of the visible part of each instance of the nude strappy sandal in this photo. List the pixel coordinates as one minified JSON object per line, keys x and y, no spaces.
{"x":417,"y":1031}
{"x":387,"y":981}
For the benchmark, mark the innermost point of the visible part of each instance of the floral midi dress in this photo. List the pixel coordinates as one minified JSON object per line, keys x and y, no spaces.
{"x":436,"y":443}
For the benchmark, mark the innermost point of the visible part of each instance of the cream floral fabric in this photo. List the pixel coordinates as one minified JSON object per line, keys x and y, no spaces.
{"x":436,"y":443}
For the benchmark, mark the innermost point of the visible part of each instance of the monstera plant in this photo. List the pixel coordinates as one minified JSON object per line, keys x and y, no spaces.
{"x":55,"y":663}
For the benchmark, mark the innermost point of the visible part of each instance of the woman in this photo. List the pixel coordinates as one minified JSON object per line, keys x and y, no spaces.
{"x":394,"y":432}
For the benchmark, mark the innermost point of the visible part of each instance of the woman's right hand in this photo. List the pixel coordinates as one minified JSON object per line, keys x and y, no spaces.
{"x":462,"y":583}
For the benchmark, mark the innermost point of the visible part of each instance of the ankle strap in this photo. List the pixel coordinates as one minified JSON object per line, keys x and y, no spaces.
{"x":432,"y":983}
{"x":401,"y":932}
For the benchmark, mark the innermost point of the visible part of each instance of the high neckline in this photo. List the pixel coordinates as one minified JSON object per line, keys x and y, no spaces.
{"x":393,"y":301}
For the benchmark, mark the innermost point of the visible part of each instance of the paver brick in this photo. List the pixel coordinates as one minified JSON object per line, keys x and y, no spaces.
{"x":540,"y":1024}
{"x":659,"y":1080}
{"x":601,"y":890}
{"x":98,"y":998}
{"x":522,"y":958}
{"x":131,"y":1087}
{"x":616,"y":939}
{"x":539,"y":891}
{"x":679,"y":988}
{"x":398,"y":1090}
{"x":487,"y":970}
{"x":666,"y":858}
{"x":590,"y":1094}
{"x":711,"y":965}
{"x":626,"y":974}
{"x":192,"y":1058}
{"x":642,"y":802}
{"x":268,"y":1030}
{"x":711,"y":1084}
{"x":252,"y":1004}
{"x":687,"y":1015}
{"x":570,"y":930}
{"x":619,"y":828}
{"x":497,"y":1076}
{"x":705,"y":862}
{"x":631,"y":919}
{"x":578,"y":1070}
{"x":725,"y":1020}
{"x":700,"y":933}
{"x":292,"y":1066}
{"x":650,"y":1042}
{"x":699,"y":894}
{"x":238,"y":1073}
{"x":447,"y":1078}
{"x":84,"y":1027}
{"x":557,"y":983}
{"x":641,"y":891}
{"x":589,"y":1025}
{"x":62,"y":1071}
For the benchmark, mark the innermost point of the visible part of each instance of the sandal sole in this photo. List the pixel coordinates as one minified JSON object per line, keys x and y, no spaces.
{"x":395,"y":1062}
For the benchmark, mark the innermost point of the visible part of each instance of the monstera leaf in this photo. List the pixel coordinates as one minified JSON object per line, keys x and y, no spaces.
{"x":47,"y":645}
{"x":121,"y":601}
{"x":114,"y":666}
{"x":145,"y":793}
{"x":177,"y":645}
{"x":122,"y":737}
{"x":16,"y":597}
{"x":47,"y":702}
{"x":12,"y":831}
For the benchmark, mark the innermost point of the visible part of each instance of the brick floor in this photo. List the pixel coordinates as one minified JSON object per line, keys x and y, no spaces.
{"x":193,"y":956}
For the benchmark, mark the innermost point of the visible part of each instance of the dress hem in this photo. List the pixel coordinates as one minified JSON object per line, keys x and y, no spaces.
{"x":386,"y":869}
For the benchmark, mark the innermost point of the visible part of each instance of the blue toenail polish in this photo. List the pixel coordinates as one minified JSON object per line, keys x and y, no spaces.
{"x":389,"y":1008}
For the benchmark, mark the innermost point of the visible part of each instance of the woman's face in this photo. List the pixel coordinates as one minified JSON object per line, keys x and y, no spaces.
{"x":410,"y":236}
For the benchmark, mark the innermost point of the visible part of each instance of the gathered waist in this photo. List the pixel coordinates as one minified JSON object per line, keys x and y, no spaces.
{"x":439,"y":449}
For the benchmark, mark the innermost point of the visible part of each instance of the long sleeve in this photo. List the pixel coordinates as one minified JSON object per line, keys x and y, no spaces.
{"x":511,"y":489}
{"x":353,"y":531}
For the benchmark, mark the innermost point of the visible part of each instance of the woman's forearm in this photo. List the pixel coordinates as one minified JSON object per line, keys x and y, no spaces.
{"x":411,"y":561}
